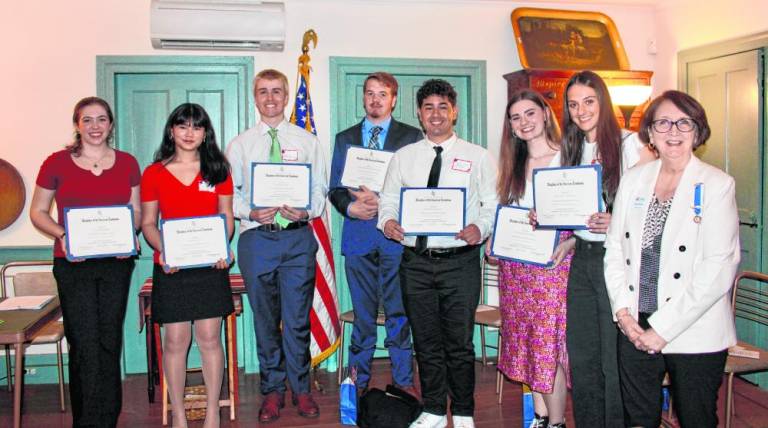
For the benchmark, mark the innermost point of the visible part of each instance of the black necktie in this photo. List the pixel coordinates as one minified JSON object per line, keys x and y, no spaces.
{"x":434,"y":179}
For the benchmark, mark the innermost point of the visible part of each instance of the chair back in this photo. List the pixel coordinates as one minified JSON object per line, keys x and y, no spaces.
{"x":32,"y":283}
{"x":490,"y":278}
{"x":749,"y":301}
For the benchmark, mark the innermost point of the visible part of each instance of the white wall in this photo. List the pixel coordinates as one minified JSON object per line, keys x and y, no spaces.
{"x":50,"y":48}
{"x":684,"y":24}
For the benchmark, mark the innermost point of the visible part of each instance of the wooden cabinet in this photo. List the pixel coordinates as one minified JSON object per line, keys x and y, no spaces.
{"x":551,"y":84}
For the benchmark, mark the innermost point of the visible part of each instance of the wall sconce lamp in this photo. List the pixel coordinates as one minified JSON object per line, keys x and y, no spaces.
{"x":628,"y":97}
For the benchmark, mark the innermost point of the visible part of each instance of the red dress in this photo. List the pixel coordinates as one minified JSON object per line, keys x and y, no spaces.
{"x":195,"y":293}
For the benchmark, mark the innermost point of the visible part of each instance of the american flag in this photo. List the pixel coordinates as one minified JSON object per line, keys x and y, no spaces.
{"x":324,"y":316}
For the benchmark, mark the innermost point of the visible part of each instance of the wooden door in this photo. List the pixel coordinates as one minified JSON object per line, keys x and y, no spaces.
{"x":731,"y":90}
{"x":143,"y":91}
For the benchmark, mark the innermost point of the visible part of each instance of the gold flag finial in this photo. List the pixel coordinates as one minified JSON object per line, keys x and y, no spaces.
{"x":309,"y":35}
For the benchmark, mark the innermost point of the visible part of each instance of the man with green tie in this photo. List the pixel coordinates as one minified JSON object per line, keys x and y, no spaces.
{"x":276,"y":250}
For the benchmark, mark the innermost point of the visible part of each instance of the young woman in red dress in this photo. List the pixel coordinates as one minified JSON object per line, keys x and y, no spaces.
{"x":190,"y":177}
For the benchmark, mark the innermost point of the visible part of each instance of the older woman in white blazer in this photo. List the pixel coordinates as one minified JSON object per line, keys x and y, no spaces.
{"x":672,"y":251}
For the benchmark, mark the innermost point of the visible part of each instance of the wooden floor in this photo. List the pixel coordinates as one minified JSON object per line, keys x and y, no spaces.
{"x":41,"y":404}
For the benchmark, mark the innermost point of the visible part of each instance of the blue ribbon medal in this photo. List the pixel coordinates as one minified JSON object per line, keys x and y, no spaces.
{"x":697,"y":200}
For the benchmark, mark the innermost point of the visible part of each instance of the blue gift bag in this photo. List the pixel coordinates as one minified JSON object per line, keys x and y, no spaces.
{"x":528,"y":413}
{"x":348,"y":402}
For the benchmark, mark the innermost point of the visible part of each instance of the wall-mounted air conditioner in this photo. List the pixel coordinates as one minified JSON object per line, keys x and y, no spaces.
{"x":218,"y":24}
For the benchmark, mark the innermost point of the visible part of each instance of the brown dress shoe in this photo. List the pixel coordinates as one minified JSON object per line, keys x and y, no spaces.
{"x":306,"y":405}
{"x":270,"y":407}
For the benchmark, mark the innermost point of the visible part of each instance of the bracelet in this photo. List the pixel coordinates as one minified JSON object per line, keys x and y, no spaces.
{"x":63,"y":234}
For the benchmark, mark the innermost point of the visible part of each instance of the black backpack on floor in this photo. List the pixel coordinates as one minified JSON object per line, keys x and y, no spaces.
{"x":393,"y":408}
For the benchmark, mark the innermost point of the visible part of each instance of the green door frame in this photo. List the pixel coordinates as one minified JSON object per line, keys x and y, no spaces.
{"x":107,"y":66}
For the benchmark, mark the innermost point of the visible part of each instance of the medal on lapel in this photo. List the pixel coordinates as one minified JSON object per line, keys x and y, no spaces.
{"x":697,"y":201}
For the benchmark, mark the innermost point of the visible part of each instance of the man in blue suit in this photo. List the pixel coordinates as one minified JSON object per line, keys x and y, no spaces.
{"x":372,"y":261}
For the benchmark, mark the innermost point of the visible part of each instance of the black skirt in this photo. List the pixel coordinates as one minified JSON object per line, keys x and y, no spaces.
{"x":190,"y":294}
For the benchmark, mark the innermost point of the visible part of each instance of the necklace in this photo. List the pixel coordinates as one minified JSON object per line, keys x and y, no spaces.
{"x":97,"y":161}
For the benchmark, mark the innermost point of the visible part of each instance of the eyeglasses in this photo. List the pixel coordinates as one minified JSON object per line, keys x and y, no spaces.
{"x":665,"y":125}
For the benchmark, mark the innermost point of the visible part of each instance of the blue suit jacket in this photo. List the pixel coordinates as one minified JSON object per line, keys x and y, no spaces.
{"x":361,"y":236}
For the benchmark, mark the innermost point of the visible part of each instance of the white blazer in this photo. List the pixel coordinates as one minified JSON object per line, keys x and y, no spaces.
{"x":698,"y":260}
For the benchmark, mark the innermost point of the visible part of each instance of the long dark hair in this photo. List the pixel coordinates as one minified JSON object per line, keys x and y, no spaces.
{"x":513,"y":154}
{"x":214,"y":167}
{"x":608,"y":133}
{"x":77,"y":145}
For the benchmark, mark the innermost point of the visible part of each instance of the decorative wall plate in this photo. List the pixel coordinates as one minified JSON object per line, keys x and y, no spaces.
{"x":12,"y":194}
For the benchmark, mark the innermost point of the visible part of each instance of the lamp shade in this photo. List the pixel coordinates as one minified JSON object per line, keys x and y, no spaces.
{"x":629,"y":95}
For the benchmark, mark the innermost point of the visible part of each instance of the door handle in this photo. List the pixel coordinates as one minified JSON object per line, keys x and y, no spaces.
{"x":752,"y":225}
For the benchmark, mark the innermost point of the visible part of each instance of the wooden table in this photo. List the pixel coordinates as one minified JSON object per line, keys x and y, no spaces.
{"x":19,"y":327}
{"x":152,"y":332}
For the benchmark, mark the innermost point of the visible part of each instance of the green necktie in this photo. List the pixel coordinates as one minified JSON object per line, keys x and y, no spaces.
{"x":276,"y":156}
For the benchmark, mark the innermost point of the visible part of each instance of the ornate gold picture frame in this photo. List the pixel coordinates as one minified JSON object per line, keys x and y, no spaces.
{"x":566,"y":39}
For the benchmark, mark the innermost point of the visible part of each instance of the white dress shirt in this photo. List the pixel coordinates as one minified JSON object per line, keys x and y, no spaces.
{"x":464,"y":165}
{"x":253,"y":145}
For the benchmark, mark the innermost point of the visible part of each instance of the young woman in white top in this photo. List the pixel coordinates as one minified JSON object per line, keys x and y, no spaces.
{"x":591,"y":135}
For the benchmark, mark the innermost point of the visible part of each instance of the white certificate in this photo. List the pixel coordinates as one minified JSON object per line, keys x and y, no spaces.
{"x":515,"y":239}
{"x":366,"y":167}
{"x":432,"y":210}
{"x":565,"y":197}
{"x":194,"y":241}
{"x":278,"y":184}
{"x":94,"y":232}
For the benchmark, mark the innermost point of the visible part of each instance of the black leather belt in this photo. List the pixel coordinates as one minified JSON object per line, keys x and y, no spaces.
{"x":274,"y":227}
{"x":444,"y":253}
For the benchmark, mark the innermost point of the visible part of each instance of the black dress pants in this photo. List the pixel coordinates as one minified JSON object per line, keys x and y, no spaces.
{"x":695,"y":382}
{"x":93,"y":296}
{"x":440,"y":296}
{"x":591,"y":339}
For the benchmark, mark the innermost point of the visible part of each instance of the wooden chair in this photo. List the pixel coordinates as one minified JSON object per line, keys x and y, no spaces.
{"x":35,"y":283}
{"x":489,"y":316}
{"x":748,"y":302}
{"x":230,"y":360}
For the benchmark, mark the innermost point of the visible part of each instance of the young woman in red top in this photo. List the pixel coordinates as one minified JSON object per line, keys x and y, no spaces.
{"x":93,"y":292}
{"x":190,"y":177}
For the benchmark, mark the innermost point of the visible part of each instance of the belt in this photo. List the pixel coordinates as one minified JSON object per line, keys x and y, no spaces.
{"x":274,"y":227}
{"x":444,"y":253}
{"x":584,"y":245}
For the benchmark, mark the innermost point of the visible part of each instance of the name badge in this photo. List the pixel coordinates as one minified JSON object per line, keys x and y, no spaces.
{"x":461,"y":165}
{"x":204,"y":186}
{"x":639,"y":202}
{"x":290,"y":155}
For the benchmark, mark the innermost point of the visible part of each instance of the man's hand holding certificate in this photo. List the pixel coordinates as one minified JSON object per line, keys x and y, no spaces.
{"x":365,"y":167}
{"x":564,"y":198}
{"x":514,"y":239}
{"x":432,"y":211}
{"x":194,"y":241}
{"x":94,"y":232}
{"x":280,"y":184}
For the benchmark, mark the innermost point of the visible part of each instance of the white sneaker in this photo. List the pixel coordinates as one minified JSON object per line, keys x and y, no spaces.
{"x":463,"y":422}
{"x":430,"y":420}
